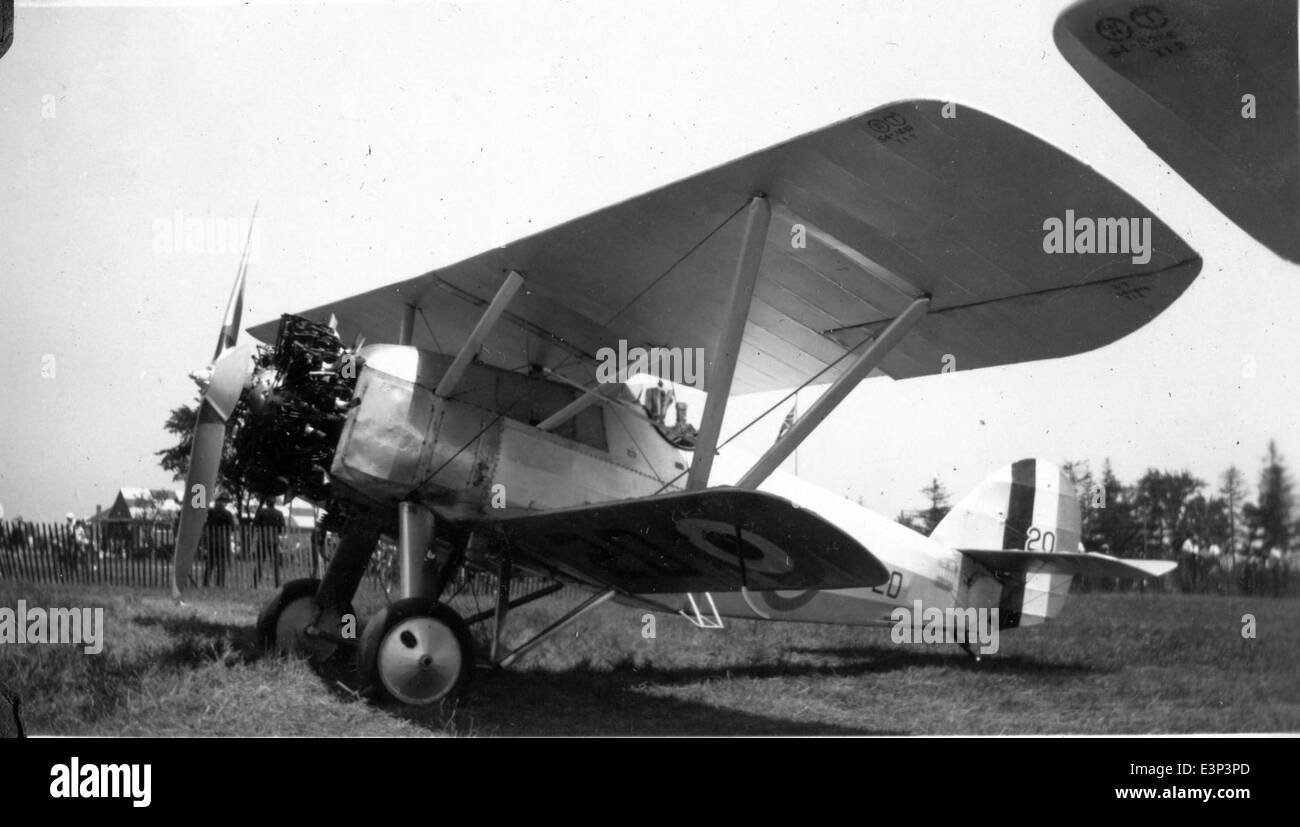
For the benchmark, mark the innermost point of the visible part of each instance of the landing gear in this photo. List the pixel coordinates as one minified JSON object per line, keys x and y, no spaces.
{"x":417,"y":651}
{"x":294,"y":623}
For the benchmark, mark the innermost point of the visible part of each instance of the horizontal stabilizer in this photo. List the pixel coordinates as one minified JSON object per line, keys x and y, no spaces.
{"x":1065,"y":562}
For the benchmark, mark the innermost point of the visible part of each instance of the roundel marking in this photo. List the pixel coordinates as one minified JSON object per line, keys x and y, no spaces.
{"x":781,"y":603}
{"x":1113,"y":28}
{"x":1148,"y":17}
{"x":718,"y":540}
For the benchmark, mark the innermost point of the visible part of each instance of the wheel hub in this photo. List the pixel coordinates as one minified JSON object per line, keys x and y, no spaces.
{"x":292,"y":624}
{"x":419,"y":660}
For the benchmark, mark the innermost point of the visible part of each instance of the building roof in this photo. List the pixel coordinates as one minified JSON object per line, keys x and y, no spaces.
{"x":298,"y":514}
{"x":133,"y":504}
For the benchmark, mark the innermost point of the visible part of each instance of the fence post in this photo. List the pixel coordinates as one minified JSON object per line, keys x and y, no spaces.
{"x":51,"y":559}
{"x":51,"y":555}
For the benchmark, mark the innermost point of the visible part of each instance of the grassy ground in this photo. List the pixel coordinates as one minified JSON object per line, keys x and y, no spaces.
{"x":1128,"y":663}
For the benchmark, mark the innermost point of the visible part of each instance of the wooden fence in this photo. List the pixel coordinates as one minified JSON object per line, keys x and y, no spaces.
{"x":236,"y":557}
{"x":140,"y":554}
{"x":248,"y":557}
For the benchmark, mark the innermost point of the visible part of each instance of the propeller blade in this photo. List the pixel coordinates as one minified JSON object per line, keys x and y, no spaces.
{"x":235,"y":307}
{"x":229,"y":375}
{"x":231,"y":369}
{"x":200,"y":487}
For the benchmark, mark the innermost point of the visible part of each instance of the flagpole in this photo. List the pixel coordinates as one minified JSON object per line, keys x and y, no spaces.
{"x":796,"y":416}
{"x":786,"y":425}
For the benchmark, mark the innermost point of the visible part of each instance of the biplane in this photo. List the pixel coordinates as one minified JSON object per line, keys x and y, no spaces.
{"x":481,"y":429}
{"x":878,"y":246}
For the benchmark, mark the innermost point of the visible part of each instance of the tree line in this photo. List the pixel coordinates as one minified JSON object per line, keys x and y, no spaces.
{"x":1211,"y":528}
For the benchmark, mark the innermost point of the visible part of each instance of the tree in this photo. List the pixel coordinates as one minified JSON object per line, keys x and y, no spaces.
{"x":911,"y":520}
{"x":1111,"y":527}
{"x":925,"y":520}
{"x":176,"y":459}
{"x":1233,"y":492}
{"x":180,"y":422}
{"x":1275,"y":501}
{"x":1204,"y":520}
{"x":1216,"y":523}
{"x":1162,"y":502}
{"x":939,"y":507}
{"x":1204,"y":523}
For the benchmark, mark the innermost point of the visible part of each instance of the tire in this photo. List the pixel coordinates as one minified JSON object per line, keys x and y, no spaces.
{"x":417,"y":652}
{"x":289,"y":610}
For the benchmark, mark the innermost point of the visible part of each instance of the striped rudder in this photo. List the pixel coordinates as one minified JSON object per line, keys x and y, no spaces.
{"x":1028,"y":505}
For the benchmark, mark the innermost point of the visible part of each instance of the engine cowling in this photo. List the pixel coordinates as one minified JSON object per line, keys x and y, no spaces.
{"x":297,"y":402}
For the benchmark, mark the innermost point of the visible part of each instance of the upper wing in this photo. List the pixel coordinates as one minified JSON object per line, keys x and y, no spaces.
{"x":868,"y":215}
{"x":6,"y":25}
{"x":1178,"y":72}
{"x":1086,"y":564}
{"x":688,"y":542}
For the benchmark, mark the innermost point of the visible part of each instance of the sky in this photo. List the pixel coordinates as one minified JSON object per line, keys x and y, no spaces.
{"x":381,"y":140}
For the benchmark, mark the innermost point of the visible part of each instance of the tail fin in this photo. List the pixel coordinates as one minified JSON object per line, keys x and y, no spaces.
{"x":1029,"y":505}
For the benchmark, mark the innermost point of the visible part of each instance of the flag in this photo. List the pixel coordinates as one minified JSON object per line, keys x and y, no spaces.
{"x":788,"y":423}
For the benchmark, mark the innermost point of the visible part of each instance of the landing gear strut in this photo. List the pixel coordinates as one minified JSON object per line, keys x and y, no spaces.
{"x":416,"y":651}
{"x":307,"y":616}
{"x":294,"y":624}
{"x":504,"y":604}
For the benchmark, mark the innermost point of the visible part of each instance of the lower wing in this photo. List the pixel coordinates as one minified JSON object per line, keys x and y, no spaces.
{"x":718,"y":539}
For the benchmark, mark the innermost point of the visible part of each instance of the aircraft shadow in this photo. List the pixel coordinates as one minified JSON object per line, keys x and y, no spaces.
{"x":621,"y":700}
{"x":617,"y":700}
{"x":885,"y":659}
{"x":585,"y":701}
{"x":197,"y":640}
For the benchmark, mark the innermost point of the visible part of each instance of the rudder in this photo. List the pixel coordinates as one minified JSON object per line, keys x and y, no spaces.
{"x":1028,"y":505}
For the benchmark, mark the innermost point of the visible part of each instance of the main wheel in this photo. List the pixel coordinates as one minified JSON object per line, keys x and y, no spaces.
{"x":417,"y":651}
{"x":282,"y":625}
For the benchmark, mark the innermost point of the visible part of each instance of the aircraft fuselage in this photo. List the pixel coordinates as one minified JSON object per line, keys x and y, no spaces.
{"x":481,"y":451}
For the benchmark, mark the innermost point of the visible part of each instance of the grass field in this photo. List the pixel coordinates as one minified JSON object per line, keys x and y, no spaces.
{"x":1116,"y":663}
